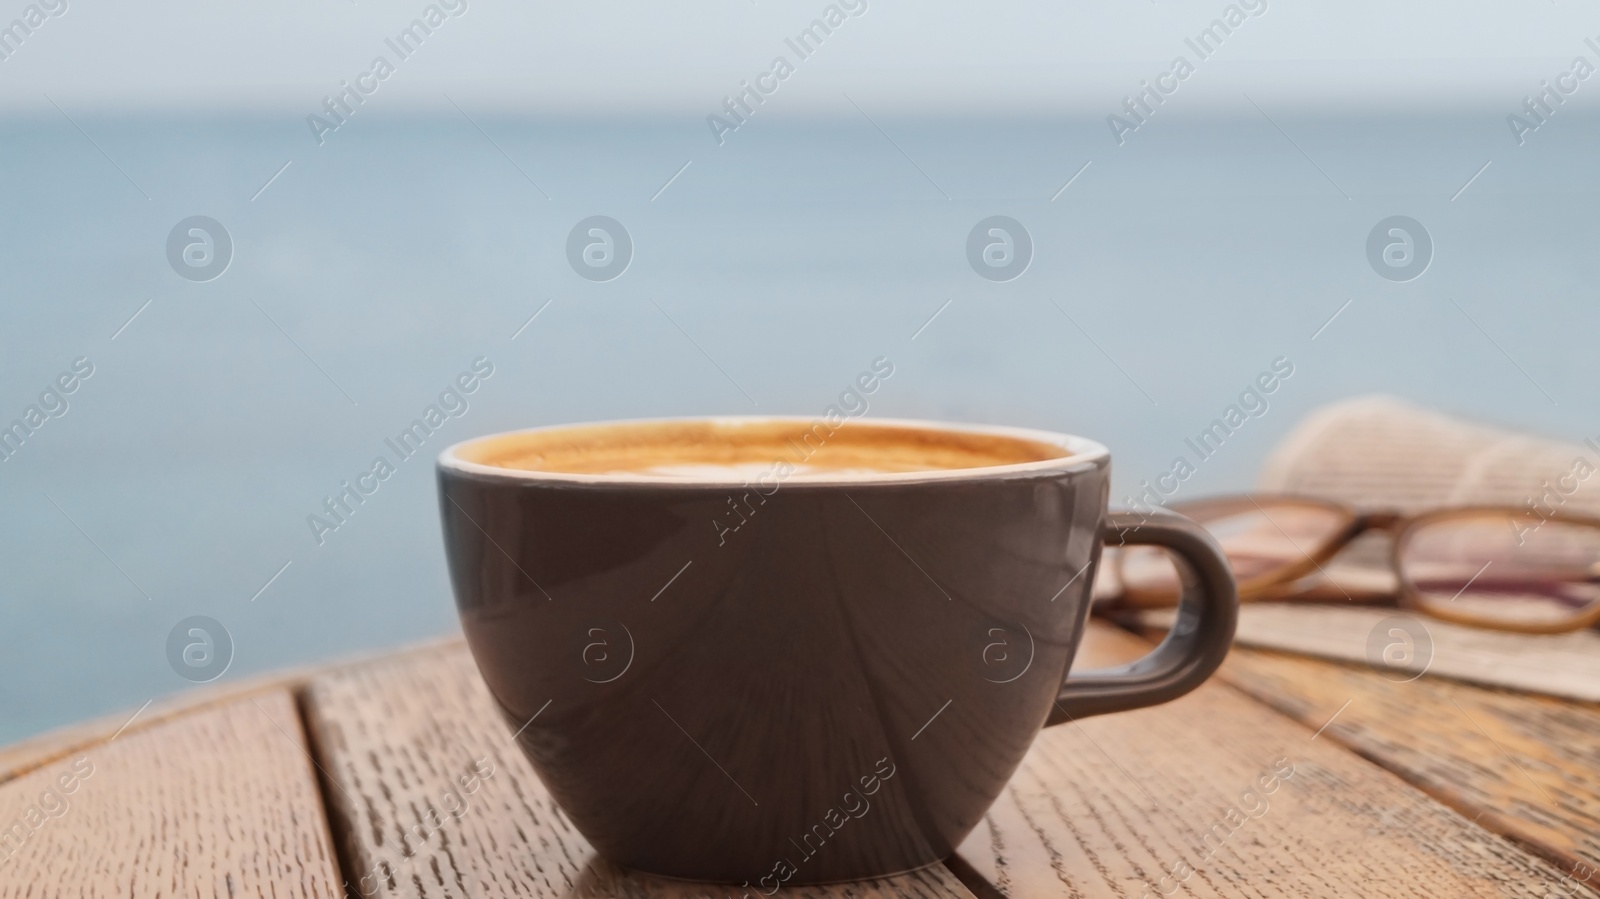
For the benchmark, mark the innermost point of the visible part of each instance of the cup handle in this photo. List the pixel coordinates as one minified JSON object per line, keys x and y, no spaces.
{"x":1199,"y":638}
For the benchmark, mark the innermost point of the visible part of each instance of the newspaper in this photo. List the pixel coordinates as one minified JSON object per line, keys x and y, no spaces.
{"x":1381,"y":452}
{"x":1384,"y":453}
{"x":1565,"y":665}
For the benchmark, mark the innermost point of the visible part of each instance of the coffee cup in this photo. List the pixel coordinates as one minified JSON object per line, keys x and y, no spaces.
{"x":775,"y":651}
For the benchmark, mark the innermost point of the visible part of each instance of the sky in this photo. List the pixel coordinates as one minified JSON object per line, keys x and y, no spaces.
{"x":932,"y":56}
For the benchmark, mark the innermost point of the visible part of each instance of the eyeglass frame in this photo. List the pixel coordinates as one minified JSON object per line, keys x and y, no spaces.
{"x":1402,"y":527}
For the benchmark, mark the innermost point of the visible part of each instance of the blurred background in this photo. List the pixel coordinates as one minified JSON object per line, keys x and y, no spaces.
{"x":357,"y":255}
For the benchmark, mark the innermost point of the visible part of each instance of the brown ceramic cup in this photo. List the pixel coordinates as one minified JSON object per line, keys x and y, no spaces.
{"x":773,"y":651}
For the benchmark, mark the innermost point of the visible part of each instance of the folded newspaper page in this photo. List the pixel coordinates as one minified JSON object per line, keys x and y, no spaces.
{"x":1384,"y":453}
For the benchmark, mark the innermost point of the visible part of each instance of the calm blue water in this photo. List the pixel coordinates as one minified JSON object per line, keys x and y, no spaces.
{"x":792,"y":256}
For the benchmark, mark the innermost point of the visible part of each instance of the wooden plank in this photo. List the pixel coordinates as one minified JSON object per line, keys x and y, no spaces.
{"x":1523,"y":765}
{"x":1565,"y":665}
{"x":430,"y":797}
{"x":1220,"y":796}
{"x":33,"y":752}
{"x":217,"y":803}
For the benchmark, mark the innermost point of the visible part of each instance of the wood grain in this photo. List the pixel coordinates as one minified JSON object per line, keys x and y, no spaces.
{"x":25,"y":755}
{"x":220,"y":802}
{"x":396,"y":739}
{"x":1523,"y":765}
{"x":1150,"y":802}
{"x":429,"y":797}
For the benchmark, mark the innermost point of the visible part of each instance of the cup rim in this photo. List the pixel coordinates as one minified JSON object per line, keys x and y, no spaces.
{"x":1081,"y":453}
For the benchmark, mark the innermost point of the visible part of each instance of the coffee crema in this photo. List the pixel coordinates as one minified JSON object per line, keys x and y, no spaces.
{"x":735,"y":449}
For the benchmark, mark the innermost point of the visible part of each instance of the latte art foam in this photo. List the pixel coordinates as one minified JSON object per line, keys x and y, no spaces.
{"x":740,"y":450}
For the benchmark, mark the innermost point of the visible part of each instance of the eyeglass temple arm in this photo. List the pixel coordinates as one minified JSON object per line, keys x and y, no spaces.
{"x":1377,"y":520}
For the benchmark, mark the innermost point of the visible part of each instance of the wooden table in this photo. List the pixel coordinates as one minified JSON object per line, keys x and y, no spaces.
{"x":395,"y":777}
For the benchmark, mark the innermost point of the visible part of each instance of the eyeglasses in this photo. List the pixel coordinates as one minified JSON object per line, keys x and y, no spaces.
{"x":1499,"y":567}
